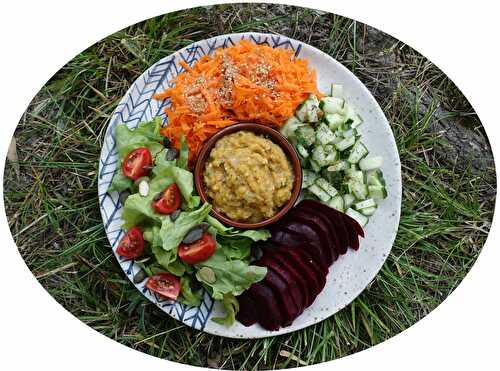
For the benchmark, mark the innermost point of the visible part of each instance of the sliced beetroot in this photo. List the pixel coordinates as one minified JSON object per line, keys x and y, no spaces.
{"x":267,"y":308}
{"x":316,"y":222}
{"x":294,"y":289}
{"x":320,"y":274}
{"x":247,"y":314}
{"x":336,"y":219}
{"x":304,"y":264}
{"x":302,"y":275}
{"x":281,"y":290}
{"x":310,"y":235}
{"x":283,"y":237}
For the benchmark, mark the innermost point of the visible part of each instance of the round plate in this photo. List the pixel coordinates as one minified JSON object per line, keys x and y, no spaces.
{"x":352,"y":272}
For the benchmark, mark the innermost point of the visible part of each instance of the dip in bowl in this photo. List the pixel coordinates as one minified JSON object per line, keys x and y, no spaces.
{"x":250,"y":174}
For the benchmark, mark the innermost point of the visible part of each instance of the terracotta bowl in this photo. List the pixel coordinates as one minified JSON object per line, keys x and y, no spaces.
{"x":268,"y":133}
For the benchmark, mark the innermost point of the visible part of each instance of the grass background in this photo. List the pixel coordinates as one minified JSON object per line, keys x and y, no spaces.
{"x":449,"y":188}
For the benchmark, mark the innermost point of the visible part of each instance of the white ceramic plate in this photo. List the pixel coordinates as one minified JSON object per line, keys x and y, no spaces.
{"x":352,"y":272}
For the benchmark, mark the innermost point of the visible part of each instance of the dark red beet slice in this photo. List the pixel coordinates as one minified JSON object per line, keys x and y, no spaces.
{"x":314,"y":221}
{"x":266,"y":306}
{"x":294,"y":289}
{"x":284,"y":237}
{"x":247,"y":314}
{"x":336,"y":219}
{"x":299,"y":275}
{"x":306,"y":232}
{"x":302,"y":263}
{"x":289,"y":310}
{"x":320,"y":274}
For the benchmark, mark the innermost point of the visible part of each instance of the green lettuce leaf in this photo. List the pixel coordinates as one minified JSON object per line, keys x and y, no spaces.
{"x":187,"y":295}
{"x":231,"y":306}
{"x":147,"y":134}
{"x":183,"y":178}
{"x":227,"y":276}
{"x":120,"y":182}
{"x":172,"y":233}
{"x":231,"y":232}
{"x":183,"y":154}
{"x":137,"y":209}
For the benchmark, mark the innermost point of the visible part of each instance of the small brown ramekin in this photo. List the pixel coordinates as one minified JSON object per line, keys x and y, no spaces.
{"x":270,"y":134}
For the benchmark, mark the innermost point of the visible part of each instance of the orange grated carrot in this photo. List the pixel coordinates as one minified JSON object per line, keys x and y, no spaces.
{"x":265,"y":87}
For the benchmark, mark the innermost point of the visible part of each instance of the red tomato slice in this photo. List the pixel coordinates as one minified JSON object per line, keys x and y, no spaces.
{"x":169,"y":201}
{"x":137,"y":163}
{"x":164,"y":284}
{"x":132,"y":245}
{"x":198,"y":251}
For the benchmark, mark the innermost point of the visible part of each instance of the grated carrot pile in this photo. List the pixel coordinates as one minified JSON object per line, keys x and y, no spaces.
{"x":244,"y":83}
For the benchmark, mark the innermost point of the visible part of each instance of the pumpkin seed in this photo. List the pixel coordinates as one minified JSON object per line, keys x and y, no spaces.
{"x":167,"y":143}
{"x":207,"y":274}
{"x":195,"y":285}
{"x":123,"y":197}
{"x":193,"y":235}
{"x":171,"y":154}
{"x":175,"y":215}
{"x":139,"y":276}
{"x":144,"y":188}
{"x":204,"y":226}
{"x":256,"y":253}
{"x":138,"y":181}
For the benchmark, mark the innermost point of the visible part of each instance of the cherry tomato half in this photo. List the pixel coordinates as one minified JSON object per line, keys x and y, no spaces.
{"x":137,"y":163}
{"x":198,"y":251}
{"x":164,"y":284}
{"x":132,"y":245}
{"x":168,"y":201}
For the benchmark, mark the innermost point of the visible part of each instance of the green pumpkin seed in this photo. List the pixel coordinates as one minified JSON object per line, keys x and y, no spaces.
{"x":140,"y":276}
{"x":207,"y":274}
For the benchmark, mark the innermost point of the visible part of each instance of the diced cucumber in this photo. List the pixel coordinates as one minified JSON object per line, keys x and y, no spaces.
{"x":335,"y":178}
{"x":337,"y":91}
{"x":349,"y":133}
{"x":305,"y":135}
{"x":292,"y":124}
{"x":370,"y":202}
{"x":357,"y":153}
{"x":350,"y":113}
{"x":337,"y":203}
{"x":360,"y":218}
{"x":346,"y":125}
{"x":348,"y":200}
{"x":334,"y":120}
{"x":331,"y":154}
{"x":371,"y":163}
{"x":369,"y":211}
{"x":319,"y":155}
{"x":345,"y":143}
{"x":302,"y":151}
{"x":327,"y":187}
{"x":315,"y":166}
{"x":308,"y":178}
{"x":332,"y":105}
{"x":339,"y":166}
{"x":355,"y":175}
{"x":377,"y":192}
{"x":301,"y":111}
{"x":358,"y":189}
{"x":324,"y":135}
{"x":375,"y":177}
{"x":318,"y":192}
